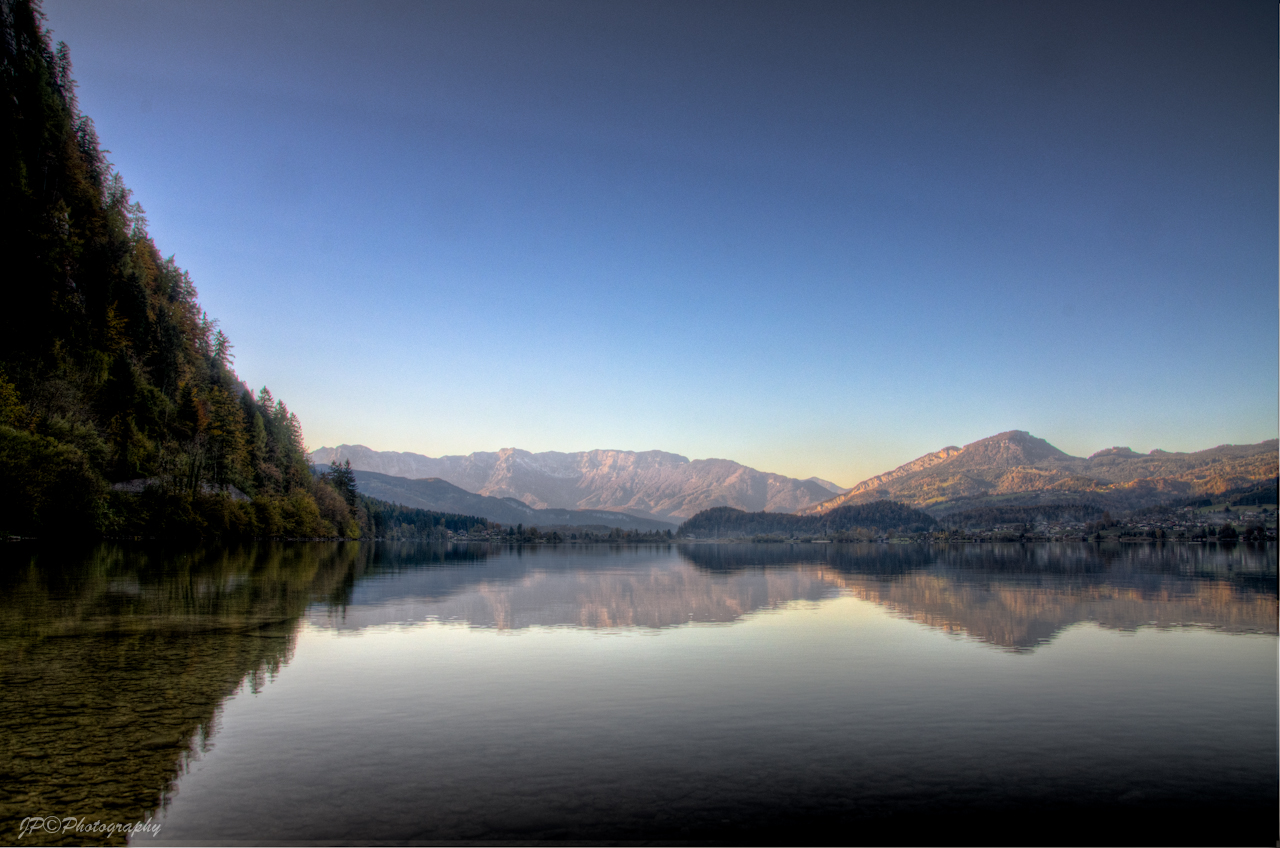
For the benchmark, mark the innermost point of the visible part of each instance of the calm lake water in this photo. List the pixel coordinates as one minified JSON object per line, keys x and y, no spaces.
{"x":372,"y":694}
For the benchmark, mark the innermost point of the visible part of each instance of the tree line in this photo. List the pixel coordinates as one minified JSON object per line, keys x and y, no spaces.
{"x":874,"y":519}
{"x":120,"y":411}
{"x":577,"y":533}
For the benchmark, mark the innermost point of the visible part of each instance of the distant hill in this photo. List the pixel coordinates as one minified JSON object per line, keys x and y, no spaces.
{"x":828,"y":485}
{"x":1018,"y":469}
{"x":880,"y":516}
{"x":441,"y":496}
{"x":647,"y":484}
{"x":1252,"y":494}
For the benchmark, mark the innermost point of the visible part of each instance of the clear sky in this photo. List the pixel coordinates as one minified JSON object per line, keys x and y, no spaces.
{"x":813,"y":238}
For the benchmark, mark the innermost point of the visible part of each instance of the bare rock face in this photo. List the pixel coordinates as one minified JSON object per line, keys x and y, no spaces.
{"x":649,"y":484}
{"x":1016,"y":464}
{"x":467,"y":472}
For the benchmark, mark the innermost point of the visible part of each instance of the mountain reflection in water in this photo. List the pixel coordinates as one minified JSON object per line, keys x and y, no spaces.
{"x":116,"y":661}
{"x":1015,"y":596}
{"x":591,"y":588}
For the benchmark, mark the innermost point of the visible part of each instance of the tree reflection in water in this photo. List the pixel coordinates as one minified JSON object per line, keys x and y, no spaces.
{"x":114,"y":662}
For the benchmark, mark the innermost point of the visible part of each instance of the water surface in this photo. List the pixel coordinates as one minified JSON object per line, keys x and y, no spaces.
{"x":355,"y":693}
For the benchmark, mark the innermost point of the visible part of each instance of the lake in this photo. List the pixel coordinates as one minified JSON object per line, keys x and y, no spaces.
{"x":362,"y":693}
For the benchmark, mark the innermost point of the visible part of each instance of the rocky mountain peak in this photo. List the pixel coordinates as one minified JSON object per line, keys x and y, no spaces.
{"x":1118,"y":451}
{"x":1011,"y":448}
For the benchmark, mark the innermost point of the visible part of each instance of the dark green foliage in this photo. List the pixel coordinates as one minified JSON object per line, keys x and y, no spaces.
{"x":393,"y":521}
{"x":880,"y":517}
{"x":343,"y":479}
{"x":1256,"y":531}
{"x":1266,"y":492}
{"x":48,"y":486}
{"x":109,"y":369}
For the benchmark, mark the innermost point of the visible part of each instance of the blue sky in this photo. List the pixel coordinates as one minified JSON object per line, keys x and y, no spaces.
{"x":818,"y":239}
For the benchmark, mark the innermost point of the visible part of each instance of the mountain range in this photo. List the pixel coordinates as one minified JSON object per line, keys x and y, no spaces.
{"x":1011,"y":468}
{"x":441,"y":496}
{"x":1016,"y":468}
{"x":648,"y":484}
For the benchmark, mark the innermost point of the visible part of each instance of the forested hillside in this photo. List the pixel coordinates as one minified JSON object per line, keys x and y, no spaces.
{"x":110,"y":372}
{"x":854,"y":521}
